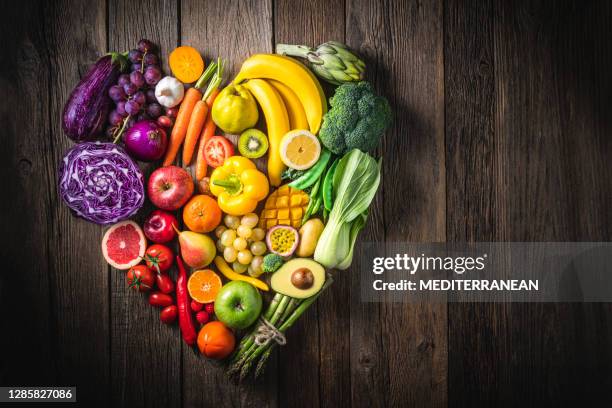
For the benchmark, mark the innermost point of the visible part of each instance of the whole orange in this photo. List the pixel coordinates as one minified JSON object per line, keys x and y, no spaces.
{"x":216,"y":341}
{"x":202,"y":213}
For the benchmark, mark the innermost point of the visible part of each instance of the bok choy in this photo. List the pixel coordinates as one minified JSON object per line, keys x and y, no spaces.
{"x":355,"y":183}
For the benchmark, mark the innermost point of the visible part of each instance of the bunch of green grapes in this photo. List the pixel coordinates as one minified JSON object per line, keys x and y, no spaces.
{"x":241,"y":243}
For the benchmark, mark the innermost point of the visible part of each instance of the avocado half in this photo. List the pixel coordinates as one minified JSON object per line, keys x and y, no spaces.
{"x":299,"y":278}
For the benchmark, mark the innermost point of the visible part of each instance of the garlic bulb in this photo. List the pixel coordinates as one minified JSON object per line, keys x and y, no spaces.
{"x":169,"y":92}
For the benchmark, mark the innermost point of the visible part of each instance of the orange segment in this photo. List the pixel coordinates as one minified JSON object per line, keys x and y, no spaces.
{"x":186,"y":64}
{"x":204,"y":285}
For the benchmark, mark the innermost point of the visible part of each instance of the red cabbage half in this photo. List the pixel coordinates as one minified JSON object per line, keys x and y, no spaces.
{"x":101,"y":183}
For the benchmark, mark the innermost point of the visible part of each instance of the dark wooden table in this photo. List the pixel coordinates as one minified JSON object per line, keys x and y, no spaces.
{"x":502,"y":133}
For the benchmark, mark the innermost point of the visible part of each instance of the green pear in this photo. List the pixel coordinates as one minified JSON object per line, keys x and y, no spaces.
{"x":197,"y":250}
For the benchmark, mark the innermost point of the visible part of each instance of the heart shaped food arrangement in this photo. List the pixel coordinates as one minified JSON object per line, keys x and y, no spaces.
{"x":244,"y":230}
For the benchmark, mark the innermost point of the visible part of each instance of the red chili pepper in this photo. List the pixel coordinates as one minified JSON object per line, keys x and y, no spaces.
{"x":183,"y":302}
{"x":164,"y":283}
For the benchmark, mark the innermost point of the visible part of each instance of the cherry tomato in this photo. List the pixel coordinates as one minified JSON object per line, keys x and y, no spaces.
{"x":165,"y":121}
{"x":168,"y":314}
{"x":164,"y":283}
{"x":140,"y":278}
{"x":210,"y":308}
{"x":196,"y":306}
{"x":172,"y":112}
{"x":159,"y":299}
{"x":216,"y":150}
{"x":159,"y":258}
{"x":202,"y":317}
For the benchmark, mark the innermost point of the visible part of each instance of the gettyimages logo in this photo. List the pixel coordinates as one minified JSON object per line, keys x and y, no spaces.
{"x":412,"y":264}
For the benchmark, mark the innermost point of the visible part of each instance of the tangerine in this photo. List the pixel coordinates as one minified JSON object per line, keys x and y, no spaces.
{"x":202,"y":213}
{"x":204,"y":285}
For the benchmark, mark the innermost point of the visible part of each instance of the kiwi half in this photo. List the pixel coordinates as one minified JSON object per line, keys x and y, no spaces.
{"x":253,"y":143}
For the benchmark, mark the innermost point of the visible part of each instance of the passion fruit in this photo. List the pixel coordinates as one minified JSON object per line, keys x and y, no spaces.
{"x":282,"y":240}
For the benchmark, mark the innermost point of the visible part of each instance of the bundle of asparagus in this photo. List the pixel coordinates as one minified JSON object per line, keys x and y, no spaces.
{"x":256,"y":347}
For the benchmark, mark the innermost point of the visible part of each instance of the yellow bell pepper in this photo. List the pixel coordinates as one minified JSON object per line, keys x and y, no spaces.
{"x":238,"y":185}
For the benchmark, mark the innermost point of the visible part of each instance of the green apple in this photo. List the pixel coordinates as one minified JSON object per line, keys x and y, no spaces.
{"x":238,"y":304}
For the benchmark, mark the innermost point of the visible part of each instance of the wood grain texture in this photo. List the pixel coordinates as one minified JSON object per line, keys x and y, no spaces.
{"x":65,"y":297}
{"x":540,"y":149}
{"x":25,"y":281}
{"x":77,"y":37}
{"x":502,"y":133}
{"x":232,"y":30}
{"x":398,"y":344}
{"x":319,"y":335}
{"x":145,"y":354}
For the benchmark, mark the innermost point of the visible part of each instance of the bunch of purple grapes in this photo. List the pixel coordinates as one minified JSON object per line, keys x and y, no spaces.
{"x":134,"y":93}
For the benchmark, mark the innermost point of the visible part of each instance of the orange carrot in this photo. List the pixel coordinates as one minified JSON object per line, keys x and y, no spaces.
{"x":179,"y":131}
{"x":183,"y":117}
{"x":211,"y":98}
{"x":207,"y":133}
{"x":196,"y":123}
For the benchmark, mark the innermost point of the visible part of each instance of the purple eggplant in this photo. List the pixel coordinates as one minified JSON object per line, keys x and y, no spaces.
{"x":89,"y":104}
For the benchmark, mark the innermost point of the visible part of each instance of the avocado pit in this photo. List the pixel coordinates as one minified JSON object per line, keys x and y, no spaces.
{"x":302,"y":278}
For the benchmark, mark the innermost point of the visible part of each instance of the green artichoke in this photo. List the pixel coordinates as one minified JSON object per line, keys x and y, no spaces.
{"x":332,"y":61}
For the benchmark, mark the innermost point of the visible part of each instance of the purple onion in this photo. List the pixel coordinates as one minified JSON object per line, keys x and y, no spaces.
{"x":146,"y":141}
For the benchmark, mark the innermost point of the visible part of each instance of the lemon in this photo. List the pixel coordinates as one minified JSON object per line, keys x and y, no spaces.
{"x":300,"y":149}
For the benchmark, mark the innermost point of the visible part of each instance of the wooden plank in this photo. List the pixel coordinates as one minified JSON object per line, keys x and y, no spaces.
{"x":145,"y":354}
{"x":318,"y":343}
{"x":65,"y":297}
{"x":544,"y":153}
{"x":233,"y":31}
{"x":77,"y":36}
{"x":399,"y":350}
{"x":27,"y":279}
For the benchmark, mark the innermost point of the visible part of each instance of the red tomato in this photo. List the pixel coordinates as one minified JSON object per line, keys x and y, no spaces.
{"x":196,"y":306}
{"x":168,"y":314}
{"x":159,"y":299}
{"x":159,"y":258}
{"x":202,"y":317}
{"x":164,"y":283}
{"x":210,"y":308}
{"x":217,"y":149}
{"x":140,"y":278}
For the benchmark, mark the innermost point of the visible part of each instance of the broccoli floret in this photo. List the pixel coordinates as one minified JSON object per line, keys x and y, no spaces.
{"x":357,"y":119}
{"x":272,"y":262}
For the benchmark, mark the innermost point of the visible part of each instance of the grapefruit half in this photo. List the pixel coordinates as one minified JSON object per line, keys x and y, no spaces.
{"x":124,"y":245}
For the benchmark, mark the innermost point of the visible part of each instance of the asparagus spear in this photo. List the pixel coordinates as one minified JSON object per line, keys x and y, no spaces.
{"x":290,"y":320}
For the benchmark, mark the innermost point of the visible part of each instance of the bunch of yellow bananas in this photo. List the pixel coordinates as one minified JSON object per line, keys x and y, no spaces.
{"x":290,"y":97}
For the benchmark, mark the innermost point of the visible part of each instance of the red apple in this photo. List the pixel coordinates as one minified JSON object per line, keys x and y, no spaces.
{"x":158,"y":227}
{"x":170,"y":187}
